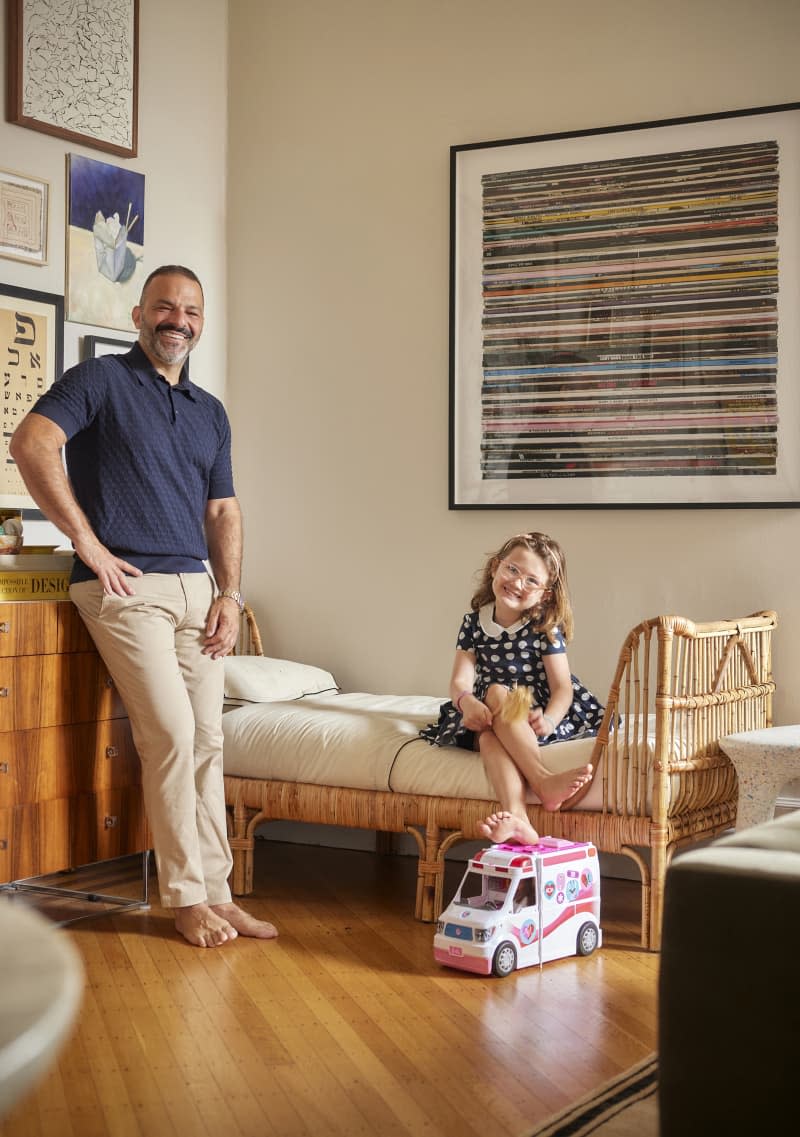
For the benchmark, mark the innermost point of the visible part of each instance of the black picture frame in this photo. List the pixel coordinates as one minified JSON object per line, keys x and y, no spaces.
{"x":95,"y":346}
{"x":32,"y":354}
{"x":622,"y":311}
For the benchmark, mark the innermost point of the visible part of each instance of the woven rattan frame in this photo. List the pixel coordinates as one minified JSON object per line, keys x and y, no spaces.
{"x":700,"y":682}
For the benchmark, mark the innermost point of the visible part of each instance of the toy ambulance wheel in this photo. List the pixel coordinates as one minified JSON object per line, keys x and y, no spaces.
{"x":588,"y":939}
{"x":505,"y":959}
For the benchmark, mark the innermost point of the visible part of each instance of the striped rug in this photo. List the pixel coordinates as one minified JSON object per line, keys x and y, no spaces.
{"x":627,"y":1106}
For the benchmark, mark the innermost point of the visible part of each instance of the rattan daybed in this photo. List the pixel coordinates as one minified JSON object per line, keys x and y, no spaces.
{"x":661,"y":779}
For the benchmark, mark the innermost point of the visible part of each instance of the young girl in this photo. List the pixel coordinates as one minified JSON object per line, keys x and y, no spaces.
{"x":516,"y":635}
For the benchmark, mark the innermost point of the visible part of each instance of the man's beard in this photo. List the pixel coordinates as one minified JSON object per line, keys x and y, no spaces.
{"x":166,"y":352}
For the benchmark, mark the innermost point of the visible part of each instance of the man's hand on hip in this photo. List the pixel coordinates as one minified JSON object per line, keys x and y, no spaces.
{"x":112,"y":572}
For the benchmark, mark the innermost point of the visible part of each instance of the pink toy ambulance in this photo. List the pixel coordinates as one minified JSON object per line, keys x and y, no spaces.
{"x":522,"y":904}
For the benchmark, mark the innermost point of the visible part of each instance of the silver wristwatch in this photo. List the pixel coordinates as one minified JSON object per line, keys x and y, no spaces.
{"x":233,"y":594}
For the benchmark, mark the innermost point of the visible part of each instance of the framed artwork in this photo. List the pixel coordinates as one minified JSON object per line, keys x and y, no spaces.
{"x":105,"y":242}
{"x":623,"y":316}
{"x":32,"y":354}
{"x":23,"y":217}
{"x":73,"y":70}
{"x":95,"y":346}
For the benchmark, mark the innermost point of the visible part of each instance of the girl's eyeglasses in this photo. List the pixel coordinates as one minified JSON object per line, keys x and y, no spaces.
{"x":529,"y":583}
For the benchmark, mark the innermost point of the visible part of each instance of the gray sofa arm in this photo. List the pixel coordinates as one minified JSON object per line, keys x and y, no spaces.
{"x":729,"y":986}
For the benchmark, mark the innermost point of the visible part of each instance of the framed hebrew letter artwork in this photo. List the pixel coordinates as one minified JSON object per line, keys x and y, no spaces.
{"x":31,"y":354}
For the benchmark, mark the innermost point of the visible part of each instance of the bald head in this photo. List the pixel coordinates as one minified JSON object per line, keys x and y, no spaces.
{"x":171,"y":270}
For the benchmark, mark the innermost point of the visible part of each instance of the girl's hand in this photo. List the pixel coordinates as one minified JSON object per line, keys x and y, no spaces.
{"x":541,"y":724}
{"x":475,"y":715}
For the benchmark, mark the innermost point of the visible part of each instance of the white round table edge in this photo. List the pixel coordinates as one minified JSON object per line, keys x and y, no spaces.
{"x":41,"y":985}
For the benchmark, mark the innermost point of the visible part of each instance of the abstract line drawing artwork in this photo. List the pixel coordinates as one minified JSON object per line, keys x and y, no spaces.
{"x":625,"y":329}
{"x":105,"y":242}
{"x":73,"y":70}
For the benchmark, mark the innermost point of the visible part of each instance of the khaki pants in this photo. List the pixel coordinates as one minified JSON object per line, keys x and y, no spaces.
{"x":151,"y":644}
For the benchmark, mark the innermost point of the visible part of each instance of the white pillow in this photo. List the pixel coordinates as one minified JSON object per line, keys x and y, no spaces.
{"x":258,"y":679}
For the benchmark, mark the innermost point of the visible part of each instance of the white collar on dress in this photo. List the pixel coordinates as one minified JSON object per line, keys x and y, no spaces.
{"x":492,"y":628}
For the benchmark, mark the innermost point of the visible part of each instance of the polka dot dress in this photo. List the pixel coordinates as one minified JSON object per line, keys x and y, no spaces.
{"x":513,"y":657}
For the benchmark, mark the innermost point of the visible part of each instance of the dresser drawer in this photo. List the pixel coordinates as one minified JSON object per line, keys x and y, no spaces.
{"x":35,"y":839}
{"x":61,"y":761}
{"x":108,"y":824}
{"x":70,"y":789}
{"x":66,"y":833}
{"x":28,"y":629}
{"x":41,"y":628}
{"x":52,"y":690}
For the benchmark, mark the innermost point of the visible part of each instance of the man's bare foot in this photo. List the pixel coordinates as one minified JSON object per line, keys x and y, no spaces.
{"x":505,"y":826}
{"x":559,"y":791}
{"x":203,"y":927}
{"x":243,"y":923}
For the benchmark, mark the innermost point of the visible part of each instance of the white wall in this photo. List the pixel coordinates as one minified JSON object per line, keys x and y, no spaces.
{"x":341,"y":119}
{"x":341,"y":116}
{"x":182,"y":153}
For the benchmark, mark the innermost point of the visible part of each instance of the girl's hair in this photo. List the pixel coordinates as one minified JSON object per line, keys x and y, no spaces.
{"x":553,"y":609}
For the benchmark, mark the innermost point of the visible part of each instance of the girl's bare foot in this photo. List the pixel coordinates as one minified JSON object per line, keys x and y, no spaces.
{"x":244,"y":923}
{"x":203,"y":927}
{"x":559,"y":791}
{"x":505,"y":826}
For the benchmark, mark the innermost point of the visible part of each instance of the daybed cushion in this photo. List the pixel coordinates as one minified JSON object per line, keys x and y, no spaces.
{"x":259,"y":679}
{"x":370,"y":742}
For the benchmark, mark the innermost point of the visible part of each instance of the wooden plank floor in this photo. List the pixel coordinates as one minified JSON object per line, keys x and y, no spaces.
{"x":345,"y":1025}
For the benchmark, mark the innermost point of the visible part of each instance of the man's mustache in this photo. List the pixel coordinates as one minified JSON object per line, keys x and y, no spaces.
{"x":181,"y":330}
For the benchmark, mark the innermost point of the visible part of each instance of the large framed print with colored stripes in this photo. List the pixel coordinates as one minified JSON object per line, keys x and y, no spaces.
{"x":624,"y":327}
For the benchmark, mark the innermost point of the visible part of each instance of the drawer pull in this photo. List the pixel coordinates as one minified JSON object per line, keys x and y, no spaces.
{"x":3,"y":767}
{"x":5,"y":626}
{"x":109,"y":822}
{"x":3,"y":843}
{"x":112,"y":752}
{"x":109,"y":681}
{"x":3,"y":692}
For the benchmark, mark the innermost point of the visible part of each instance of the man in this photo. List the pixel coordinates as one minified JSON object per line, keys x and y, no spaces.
{"x":148,"y":500}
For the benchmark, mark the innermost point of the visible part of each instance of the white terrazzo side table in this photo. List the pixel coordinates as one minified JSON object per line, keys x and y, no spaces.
{"x":41,"y":984}
{"x":765,"y":761}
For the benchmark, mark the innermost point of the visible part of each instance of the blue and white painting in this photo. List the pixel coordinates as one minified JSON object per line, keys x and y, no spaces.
{"x":105,"y":247}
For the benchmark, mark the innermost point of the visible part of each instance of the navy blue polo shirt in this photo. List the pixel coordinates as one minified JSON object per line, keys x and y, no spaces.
{"x":144,"y":458}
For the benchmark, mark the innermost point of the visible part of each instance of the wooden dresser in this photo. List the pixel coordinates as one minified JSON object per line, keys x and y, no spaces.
{"x":70,"y":790}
